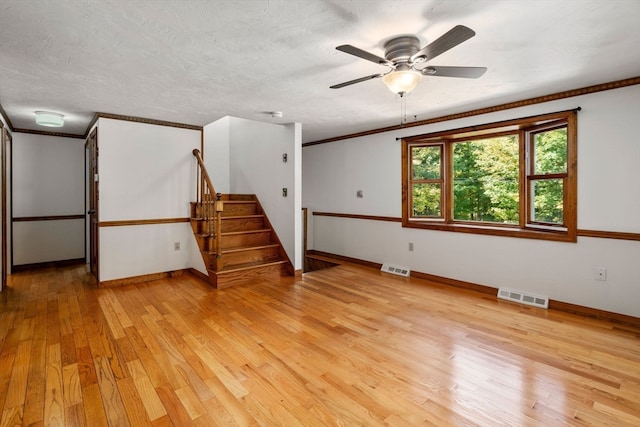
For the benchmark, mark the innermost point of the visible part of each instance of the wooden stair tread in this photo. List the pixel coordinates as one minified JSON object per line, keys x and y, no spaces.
{"x":248,"y":248}
{"x":249,"y":266}
{"x":240,"y":202}
{"x":242,"y":248}
{"x":235,"y":233}
{"x":238,"y":197}
{"x":242,"y":216}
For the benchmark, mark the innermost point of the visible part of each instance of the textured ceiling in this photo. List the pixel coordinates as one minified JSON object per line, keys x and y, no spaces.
{"x":195,"y":61}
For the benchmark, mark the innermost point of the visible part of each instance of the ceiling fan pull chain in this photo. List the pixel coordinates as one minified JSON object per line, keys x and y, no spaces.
{"x":403,"y":108}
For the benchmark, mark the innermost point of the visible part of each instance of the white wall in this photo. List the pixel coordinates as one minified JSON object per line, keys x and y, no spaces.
{"x":146,"y":172}
{"x":130,"y":251}
{"x":48,"y":180}
{"x":608,"y":200}
{"x":253,"y":153}
{"x":216,"y":153}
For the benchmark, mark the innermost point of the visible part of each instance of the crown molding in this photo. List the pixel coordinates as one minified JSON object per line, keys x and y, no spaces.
{"x":141,"y":120}
{"x":49,"y":133}
{"x":501,"y":107}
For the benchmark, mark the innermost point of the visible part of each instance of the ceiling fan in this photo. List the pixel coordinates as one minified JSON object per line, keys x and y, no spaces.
{"x":404,"y":56}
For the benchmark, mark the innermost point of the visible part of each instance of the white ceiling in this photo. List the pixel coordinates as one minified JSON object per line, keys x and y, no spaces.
{"x":195,"y":61}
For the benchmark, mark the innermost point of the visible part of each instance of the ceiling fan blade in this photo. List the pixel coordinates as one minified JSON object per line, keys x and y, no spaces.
{"x":448,"y":40}
{"x":352,"y":50}
{"x":463,"y":72}
{"x":351,"y":82}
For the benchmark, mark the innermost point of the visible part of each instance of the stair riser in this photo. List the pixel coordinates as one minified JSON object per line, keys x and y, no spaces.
{"x":242,"y":224}
{"x":200,"y":226}
{"x":222,"y":280}
{"x":235,"y":209}
{"x":197,"y":211}
{"x":252,"y":255}
{"x":240,"y":197}
{"x":246,"y":239}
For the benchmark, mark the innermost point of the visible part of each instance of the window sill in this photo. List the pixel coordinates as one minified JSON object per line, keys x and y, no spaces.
{"x":526,"y":233}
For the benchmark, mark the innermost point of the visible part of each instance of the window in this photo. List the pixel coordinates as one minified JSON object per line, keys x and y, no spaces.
{"x":426,"y":183}
{"x":514,"y":178}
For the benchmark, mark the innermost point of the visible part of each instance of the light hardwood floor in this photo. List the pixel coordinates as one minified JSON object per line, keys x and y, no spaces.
{"x":344,"y":346}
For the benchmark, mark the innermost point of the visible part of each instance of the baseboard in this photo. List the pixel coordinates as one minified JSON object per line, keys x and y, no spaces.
{"x":140,"y":279}
{"x":199,"y":274}
{"x":344,"y":259}
{"x":165,"y":275}
{"x":589,"y":312}
{"x":595,"y":313}
{"x":456,"y":283}
{"x":48,"y":264}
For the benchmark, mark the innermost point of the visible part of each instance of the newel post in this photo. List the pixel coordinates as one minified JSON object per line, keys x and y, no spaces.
{"x":219,"y":207}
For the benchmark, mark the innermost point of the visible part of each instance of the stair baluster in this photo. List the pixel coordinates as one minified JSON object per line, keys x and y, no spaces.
{"x":210,"y":209}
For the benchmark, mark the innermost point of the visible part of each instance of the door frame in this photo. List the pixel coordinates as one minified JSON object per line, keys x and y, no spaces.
{"x":5,"y":139}
{"x":91,"y":150}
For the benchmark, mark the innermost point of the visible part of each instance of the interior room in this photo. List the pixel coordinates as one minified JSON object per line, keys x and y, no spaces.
{"x":373,"y":212}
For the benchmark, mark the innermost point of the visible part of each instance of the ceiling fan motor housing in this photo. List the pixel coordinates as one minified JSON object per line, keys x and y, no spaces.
{"x":400,"y":49}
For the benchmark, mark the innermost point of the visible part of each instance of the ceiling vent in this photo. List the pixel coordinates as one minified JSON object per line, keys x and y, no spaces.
{"x":394,"y":269}
{"x":523,"y":297}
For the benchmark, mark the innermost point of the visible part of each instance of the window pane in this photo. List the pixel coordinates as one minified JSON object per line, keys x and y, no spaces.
{"x":550,"y":151}
{"x":425,"y":162}
{"x":485,"y":180}
{"x":427,"y":200}
{"x":547,"y":201}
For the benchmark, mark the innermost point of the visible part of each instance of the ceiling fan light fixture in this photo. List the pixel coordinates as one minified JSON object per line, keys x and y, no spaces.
{"x":47,"y":118}
{"x":403,"y":81}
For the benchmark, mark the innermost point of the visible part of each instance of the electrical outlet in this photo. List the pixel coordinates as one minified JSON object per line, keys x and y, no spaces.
{"x":600,"y":274}
{"x":410,"y":247}
{"x":176,"y":246}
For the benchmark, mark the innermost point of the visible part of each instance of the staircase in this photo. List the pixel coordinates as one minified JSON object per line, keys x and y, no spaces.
{"x":238,"y":244}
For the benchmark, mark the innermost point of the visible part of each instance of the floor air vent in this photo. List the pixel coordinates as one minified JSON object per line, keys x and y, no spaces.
{"x":400,"y":271}
{"x":523,"y":297}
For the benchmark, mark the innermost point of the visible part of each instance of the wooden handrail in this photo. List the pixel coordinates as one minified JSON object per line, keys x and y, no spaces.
{"x":203,"y":170}
{"x":210,"y":208}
